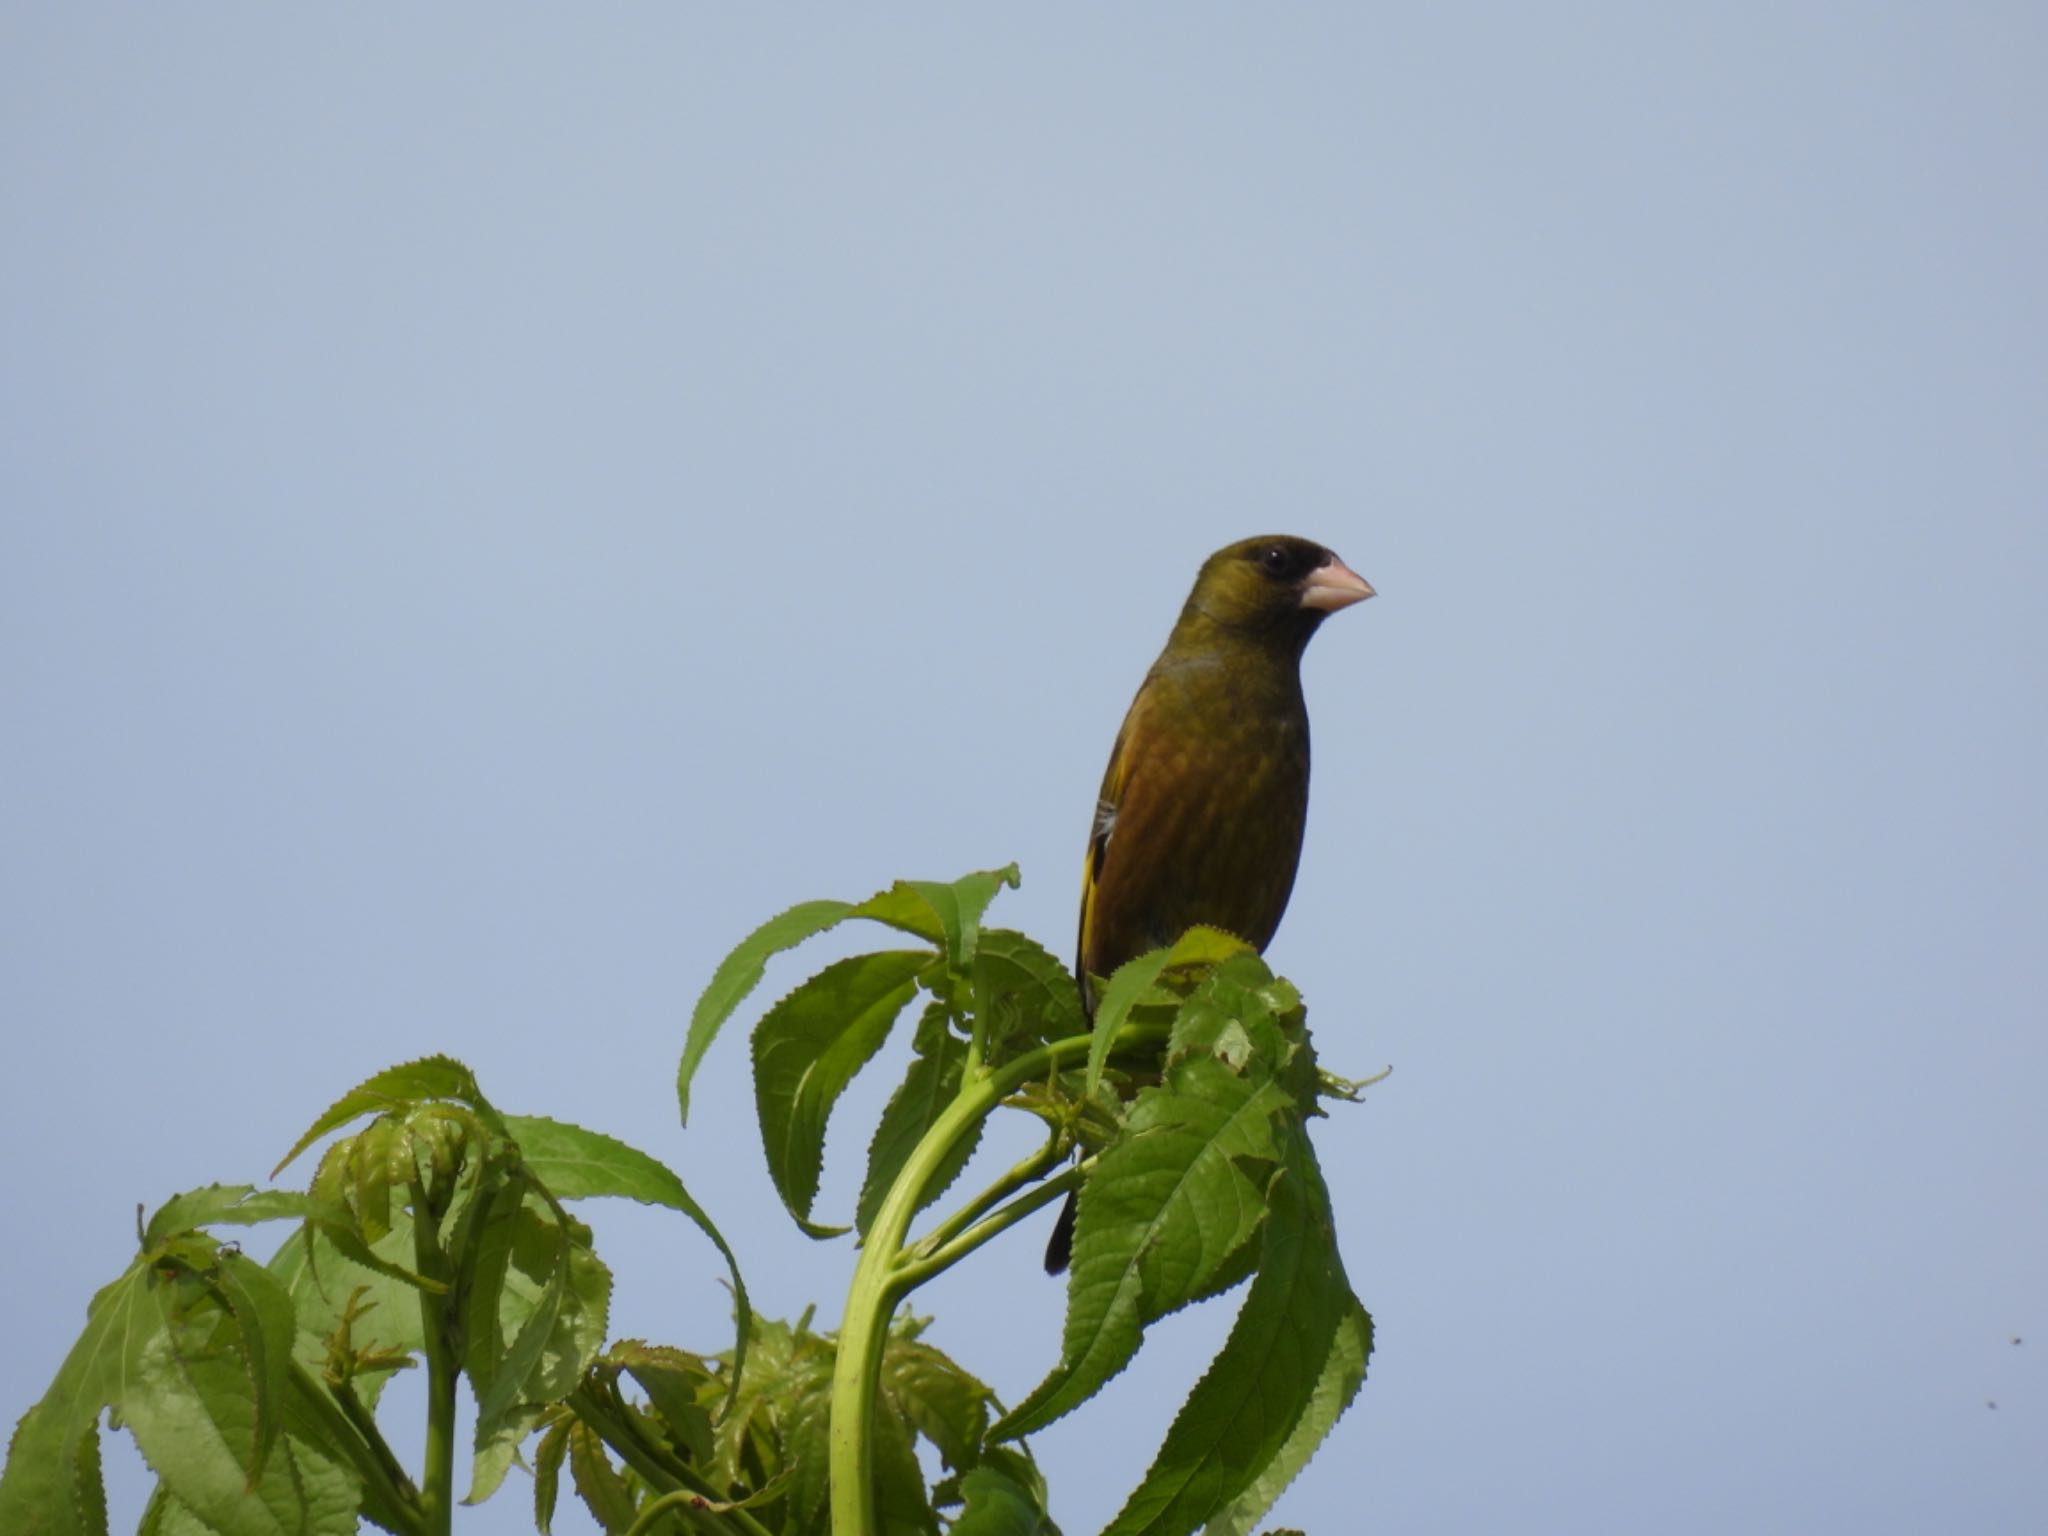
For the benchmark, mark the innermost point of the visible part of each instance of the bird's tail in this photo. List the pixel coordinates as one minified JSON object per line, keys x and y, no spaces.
{"x":1059,"y":1250}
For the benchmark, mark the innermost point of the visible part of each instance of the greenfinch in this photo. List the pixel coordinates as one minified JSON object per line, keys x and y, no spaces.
{"x":1202,"y":807}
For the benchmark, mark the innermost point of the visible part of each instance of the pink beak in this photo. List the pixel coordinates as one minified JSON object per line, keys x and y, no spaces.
{"x":1333,"y":586}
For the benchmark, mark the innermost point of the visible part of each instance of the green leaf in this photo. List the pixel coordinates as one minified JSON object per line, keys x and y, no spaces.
{"x":183,"y":1291}
{"x":998,"y":1507}
{"x":380,"y":1155}
{"x":554,"y":1299}
{"x":496,"y":1448}
{"x":958,"y":907}
{"x":804,"y":1419}
{"x":931,"y":1083}
{"x":553,"y":1294}
{"x":1169,"y":1207}
{"x":901,"y":1504}
{"x":945,"y":915}
{"x":922,"y":1392}
{"x":165,"y":1516}
{"x":677,"y":1384}
{"x":267,"y":1326}
{"x":1342,"y":1375}
{"x":1242,"y":1413}
{"x":487,"y":1256}
{"x":51,"y":1485}
{"x":576,"y":1164}
{"x":606,"y":1493}
{"x":1024,"y":996}
{"x":775,"y":1441}
{"x":235,"y":1203}
{"x":431,"y":1077}
{"x":930,"y":1392}
{"x":547,"y":1472}
{"x":331,"y":1288}
{"x":740,"y":972}
{"x":333,"y":1214}
{"x":581,"y":1322}
{"x":187,"y":1401}
{"x":808,"y":1048}
{"x":778,"y":1422}
{"x":1014,"y":1462}
{"x":1135,"y":979}
{"x":90,"y":1480}
{"x":902,"y":906}
{"x":535,"y":1278}
{"x":1229,"y":1015}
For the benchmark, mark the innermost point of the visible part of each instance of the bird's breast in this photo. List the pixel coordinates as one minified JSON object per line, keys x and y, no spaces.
{"x":1206,"y":829}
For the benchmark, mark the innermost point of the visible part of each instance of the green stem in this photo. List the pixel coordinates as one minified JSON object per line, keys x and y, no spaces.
{"x":437,"y":1494}
{"x":351,"y":1406}
{"x":437,"y":1481}
{"x":682,"y":1501}
{"x":977,"y":1046}
{"x":389,"y":1498}
{"x":1350,"y":1089}
{"x":934,"y":1255}
{"x":677,"y":1501}
{"x":1030,"y":1169}
{"x":695,"y":1498}
{"x":881,"y":1280}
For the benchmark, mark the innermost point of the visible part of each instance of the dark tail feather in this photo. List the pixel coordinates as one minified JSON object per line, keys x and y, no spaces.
{"x":1059,"y":1251}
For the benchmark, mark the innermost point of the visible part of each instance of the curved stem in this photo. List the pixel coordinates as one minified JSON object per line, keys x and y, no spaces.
{"x":1350,"y":1089}
{"x":934,"y":1255}
{"x":683,"y":1502}
{"x":881,"y":1279}
{"x":1030,"y":1169}
{"x":678,"y":1501}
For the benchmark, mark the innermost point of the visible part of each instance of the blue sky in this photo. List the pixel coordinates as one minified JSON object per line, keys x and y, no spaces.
{"x":494,"y":504}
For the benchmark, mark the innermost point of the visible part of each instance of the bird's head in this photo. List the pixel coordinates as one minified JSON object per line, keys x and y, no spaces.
{"x":1273,"y":588}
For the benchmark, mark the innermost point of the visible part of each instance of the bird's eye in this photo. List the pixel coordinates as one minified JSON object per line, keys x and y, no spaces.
{"x":1274,"y":558}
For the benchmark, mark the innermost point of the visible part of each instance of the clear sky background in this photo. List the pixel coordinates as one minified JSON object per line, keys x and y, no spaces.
{"x":493,"y":503}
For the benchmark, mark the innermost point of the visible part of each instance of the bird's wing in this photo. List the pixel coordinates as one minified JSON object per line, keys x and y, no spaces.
{"x":1115,"y":780}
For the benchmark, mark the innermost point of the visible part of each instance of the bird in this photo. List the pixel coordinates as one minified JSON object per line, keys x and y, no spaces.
{"x":1200,"y":816}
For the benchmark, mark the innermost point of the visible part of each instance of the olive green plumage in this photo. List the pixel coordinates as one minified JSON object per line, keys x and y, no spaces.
{"x":1202,"y":807}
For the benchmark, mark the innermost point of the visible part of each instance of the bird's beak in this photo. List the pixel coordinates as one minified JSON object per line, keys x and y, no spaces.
{"x":1333,"y":586}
